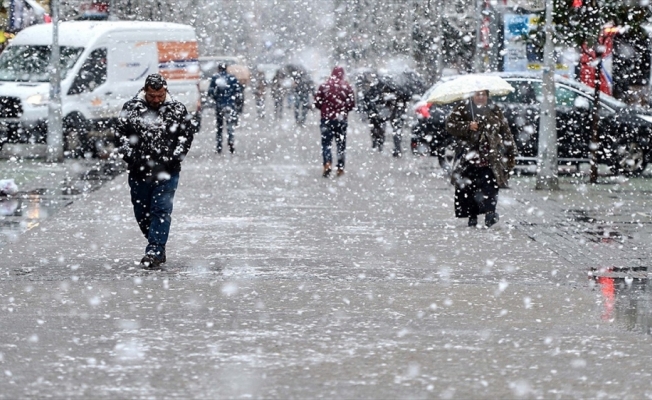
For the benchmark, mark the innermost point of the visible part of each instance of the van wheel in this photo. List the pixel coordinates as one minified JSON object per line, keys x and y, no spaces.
{"x":75,"y":136}
{"x":629,"y":159}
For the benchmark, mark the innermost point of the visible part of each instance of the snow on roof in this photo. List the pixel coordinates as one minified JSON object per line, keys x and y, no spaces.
{"x":79,"y":33}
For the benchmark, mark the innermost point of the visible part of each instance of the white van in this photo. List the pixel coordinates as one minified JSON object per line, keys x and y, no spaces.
{"x":103,"y":64}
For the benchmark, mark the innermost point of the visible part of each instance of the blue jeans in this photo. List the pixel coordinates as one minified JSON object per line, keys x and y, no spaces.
{"x":225,"y":116}
{"x":152,"y":201}
{"x":333,"y":129}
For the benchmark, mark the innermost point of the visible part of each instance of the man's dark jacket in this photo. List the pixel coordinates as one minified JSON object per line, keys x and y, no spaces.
{"x":226,"y":91}
{"x":154,"y":141}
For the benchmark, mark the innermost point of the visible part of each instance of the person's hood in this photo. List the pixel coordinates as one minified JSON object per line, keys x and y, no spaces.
{"x":338,"y":73}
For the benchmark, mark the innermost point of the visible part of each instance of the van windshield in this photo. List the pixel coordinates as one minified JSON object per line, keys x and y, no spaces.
{"x":31,"y":63}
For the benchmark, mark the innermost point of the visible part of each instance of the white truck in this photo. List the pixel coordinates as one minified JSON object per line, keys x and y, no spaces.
{"x":103,"y":64}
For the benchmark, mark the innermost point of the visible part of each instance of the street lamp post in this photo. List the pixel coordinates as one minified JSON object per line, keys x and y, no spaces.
{"x":55,"y":130}
{"x":547,"y":174}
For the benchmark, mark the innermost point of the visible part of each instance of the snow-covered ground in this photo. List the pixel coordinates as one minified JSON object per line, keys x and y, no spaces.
{"x":284,"y":284}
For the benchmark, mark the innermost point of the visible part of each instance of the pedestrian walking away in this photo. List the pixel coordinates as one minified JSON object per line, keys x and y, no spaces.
{"x":335,"y":99}
{"x":280,"y":87}
{"x":486,"y":156}
{"x":385,"y":105}
{"x":229,"y":99}
{"x":154,"y":134}
{"x":259,"y":88}
{"x":302,"y":87}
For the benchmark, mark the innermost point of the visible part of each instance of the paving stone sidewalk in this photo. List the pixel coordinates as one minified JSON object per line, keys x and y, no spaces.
{"x":283,"y":284}
{"x":603,"y":228}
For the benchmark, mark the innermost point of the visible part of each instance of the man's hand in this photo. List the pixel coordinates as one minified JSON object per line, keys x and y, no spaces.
{"x":473,"y":126}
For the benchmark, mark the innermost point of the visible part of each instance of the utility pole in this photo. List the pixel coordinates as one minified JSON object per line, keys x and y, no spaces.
{"x":594,"y":144}
{"x":55,"y":129}
{"x":547,"y":170}
{"x":439,"y":65}
{"x":477,"y":59}
{"x":412,"y":15}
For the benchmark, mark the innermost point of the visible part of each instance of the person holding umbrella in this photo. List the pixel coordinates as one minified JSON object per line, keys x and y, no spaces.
{"x":488,"y":155}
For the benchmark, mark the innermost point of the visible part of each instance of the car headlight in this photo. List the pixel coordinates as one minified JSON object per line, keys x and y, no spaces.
{"x":37,"y":100}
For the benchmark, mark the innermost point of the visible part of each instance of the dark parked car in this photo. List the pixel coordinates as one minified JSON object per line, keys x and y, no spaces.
{"x":625,"y":131}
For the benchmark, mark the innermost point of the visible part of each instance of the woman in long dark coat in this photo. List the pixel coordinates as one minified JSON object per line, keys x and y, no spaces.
{"x":488,"y":155}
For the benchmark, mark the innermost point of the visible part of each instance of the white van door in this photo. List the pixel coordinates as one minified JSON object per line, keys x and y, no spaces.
{"x":90,"y":88}
{"x":129,"y":64}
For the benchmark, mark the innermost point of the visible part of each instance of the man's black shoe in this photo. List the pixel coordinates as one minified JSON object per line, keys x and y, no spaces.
{"x":473,"y":221}
{"x":151,"y":262}
{"x":219,"y":149}
{"x":231,"y":148}
{"x":491,"y":218}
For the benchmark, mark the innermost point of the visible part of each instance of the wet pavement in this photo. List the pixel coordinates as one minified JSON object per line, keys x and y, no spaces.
{"x":606,"y":229}
{"x":283,"y":284}
{"x":45,"y":188}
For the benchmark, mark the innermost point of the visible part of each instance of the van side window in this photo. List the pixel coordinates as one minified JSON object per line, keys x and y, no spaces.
{"x":92,"y":73}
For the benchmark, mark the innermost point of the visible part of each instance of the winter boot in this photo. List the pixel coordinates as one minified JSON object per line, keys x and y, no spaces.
{"x":327,"y":170}
{"x":491,"y":218}
{"x":473,"y":221}
{"x":150,"y":262}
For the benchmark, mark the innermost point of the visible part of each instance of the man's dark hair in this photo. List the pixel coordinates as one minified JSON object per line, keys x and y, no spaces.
{"x":156,"y":82}
{"x":221,"y":67}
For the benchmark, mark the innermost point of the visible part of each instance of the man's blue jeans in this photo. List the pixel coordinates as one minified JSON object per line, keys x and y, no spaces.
{"x":333,"y":129}
{"x":152,"y":201}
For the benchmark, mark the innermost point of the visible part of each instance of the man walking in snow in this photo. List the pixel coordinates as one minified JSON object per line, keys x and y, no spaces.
{"x":335,"y":99}
{"x":229,"y":99}
{"x":154,"y":134}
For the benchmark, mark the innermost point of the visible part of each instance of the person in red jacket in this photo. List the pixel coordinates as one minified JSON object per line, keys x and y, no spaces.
{"x":335,"y":99}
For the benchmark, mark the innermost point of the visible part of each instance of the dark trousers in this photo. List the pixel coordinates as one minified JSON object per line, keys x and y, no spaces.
{"x":333,"y":129}
{"x":225,"y":116}
{"x":378,"y":133}
{"x":301,"y":108}
{"x":260,"y":106}
{"x":152,"y":201}
{"x":278,"y":106}
{"x":479,"y":195}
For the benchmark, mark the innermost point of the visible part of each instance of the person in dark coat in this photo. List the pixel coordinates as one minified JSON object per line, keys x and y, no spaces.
{"x":385,"y":104}
{"x":302,"y":87}
{"x":279,"y":89}
{"x":259,"y":89}
{"x":154,"y":133}
{"x":229,"y":99}
{"x":488,"y":155}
